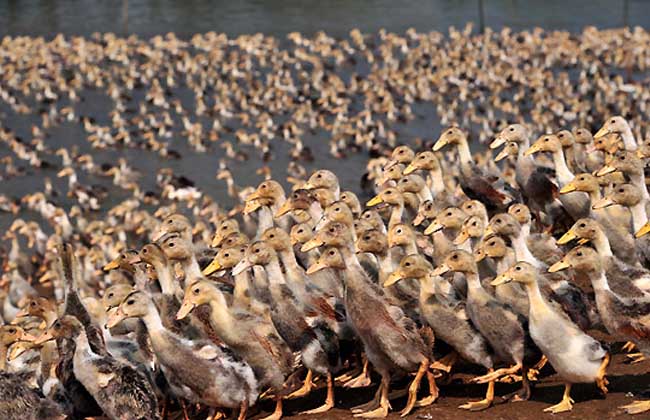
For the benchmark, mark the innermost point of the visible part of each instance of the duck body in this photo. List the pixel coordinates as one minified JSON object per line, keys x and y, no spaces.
{"x":19,"y":402}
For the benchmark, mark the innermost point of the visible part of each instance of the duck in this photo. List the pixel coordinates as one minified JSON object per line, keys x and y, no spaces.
{"x":575,"y":356}
{"x":119,"y":389}
{"x":618,"y":125}
{"x":449,"y":323}
{"x":252,"y":338}
{"x":225,"y":380}
{"x":390,"y":327}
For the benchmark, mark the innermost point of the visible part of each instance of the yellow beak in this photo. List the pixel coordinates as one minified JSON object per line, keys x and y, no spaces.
{"x":417,"y":221}
{"x":442,"y":142}
{"x":255,"y":195}
{"x":49,"y":275}
{"x":488,"y":231}
{"x":558,"y":266}
{"x":607,"y":169}
{"x":313,"y":243}
{"x":251,"y":205}
{"x":185,"y":310}
{"x":308,"y":186}
{"x":284,"y":209}
{"x":115,"y":318}
{"x":433,"y":228}
{"x":214,"y":266}
{"x":46,"y":336}
{"x":532,"y":149}
{"x":441,"y":269}
{"x":602,"y":132}
{"x":567,"y":237}
{"x":409,"y":169}
{"x":502,"y":279}
{"x":112,"y":265}
{"x":501,"y":155}
{"x":374,"y":201}
{"x":497,"y":142}
{"x":645,"y":229}
{"x":316,"y":267}
{"x":570,"y":187}
{"x":602,"y":203}
{"x":461,"y":238}
{"x":18,"y":349}
{"x":393,"y":278}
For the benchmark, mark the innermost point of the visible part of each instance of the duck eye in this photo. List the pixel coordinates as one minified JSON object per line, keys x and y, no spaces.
{"x":492,"y":243}
{"x":511,"y":129}
{"x":169,"y":222}
{"x":110,"y":295}
{"x":263,"y":187}
{"x":256,"y":251}
{"x":454,"y":257}
{"x":144,"y":251}
{"x":337,"y":209}
{"x":130,"y":302}
{"x":474,"y":224}
{"x":271,"y":236}
{"x":408,"y":264}
{"x":518,"y":211}
{"x":613,"y":121}
{"x":449,"y":132}
{"x":171,"y":245}
{"x":366,"y":238}
{"x":518,"y":268}
{"x":12,"y":331}
{"x":33,"y":303}
{"x":331,"y":230}
{"x":389,"y":192}
{"x":196,"y":291}
{"x":226,"y":255}
{"x":622,"y":157}
{"x":579,"y":254}
{"x":399,"y":230}
{"x":546,"y":139}
{"x":560,"y":135}
{"x":621,"y":190}
{"x":319,"y":176}
{"x":498,"y":221}
{"x":300,"y":231}
{"x":449,"y":214}
{"x":582,"y":225}
{"x":331,"y":252}
{"x":401,"y":152}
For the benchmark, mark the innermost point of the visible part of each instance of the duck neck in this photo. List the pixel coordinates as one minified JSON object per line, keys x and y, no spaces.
{"x":639,"y":181}
{"x":221,"y":316}
{"x":473,"y":282}
{"x":241,"y":294}
{"x":274,"y":273}
{"x":639,"y":215}
{"x":386,"y":264}
{"x":522,"y":253}
{"x":537,"y":302}
{"x":3,"y":357}
{"x":191,"y":269}
{"x":437,"y":183}
{"x":424,"y":195}
{"x":315,"y":211}
{"x":602,"y":245}
{"x":81,"y":343}
{"x":166,"y":279}
{"x":265,"y":220}
{"x":594,"y":195}
{"x":564,"y":174}
{"x":395,"y":215}
{"x":628,"y":139}
{"x":464,"y":153}
{"x":505,"y":262}
{"x":599,"y":281}
{"x":354,"y":270}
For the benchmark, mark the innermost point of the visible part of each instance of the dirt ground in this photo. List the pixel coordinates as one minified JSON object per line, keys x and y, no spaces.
{"x":625,"y":381}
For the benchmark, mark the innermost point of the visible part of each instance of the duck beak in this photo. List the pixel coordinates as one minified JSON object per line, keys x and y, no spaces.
{"x":214,"y":266}
{"x":488,"y":231}
{"x":602,"y":132}
{"x":567,"y":237}
{"x":502,"y":279}
{"x":389,"y":165}
{"x":461,"y":238}
{"x":607,"y":169}
{"x":314,"y":242}
{"x":255,"y":195}
{"x":501,"y":155}
{"x":115,"y":318}
{"x":441,"y":269}
{"x":409,"y":169}
{"x":17,"y":349}
{"x":570,"y":187}
{"x":316,"y":267}
{"x":497,"y":142}
{"x":417,"y":221}
{"x":251,"y":205}
{"x":43,"y":338}
{"x":216,"y":241}
{"x":442,"y":142}
{"x":532,"y":149}
{"x":559,"y":266}
{"x":433,"y":228}
{"x":185,"y":310}
{"x":22,"y":313}
{"x":241,"y":266}
{"x":374,"y":201}
{"x":645,"y":229}
{"x":284,"y":209}
{"x":393,"y":278}
{"x":157,"y":234}
{"x":602,"y":203}
{"x":112,"y":265}
{"x":308,"y":186}
{"x":49,"y":275}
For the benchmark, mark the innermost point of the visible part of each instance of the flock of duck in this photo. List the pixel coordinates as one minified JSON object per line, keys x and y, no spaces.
{"x":170,"y":304}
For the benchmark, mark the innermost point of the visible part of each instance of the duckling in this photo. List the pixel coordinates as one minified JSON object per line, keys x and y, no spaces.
{"x":19,"y":402}
{"x":631,"y":166}
{"x":427,"y":161}
{"x":618,"y":125}
{"x":503,"y":328}
{"x":389,"y":327}
{"x":395,"y":199}
{"x":252,"y":338}
{"x":273,"y":192}
{"x":574,"y":355}
{"x":444,"y":228}
{"x":198,"y":371}
{"x":119,"y":389}
{"x":450,"y":323}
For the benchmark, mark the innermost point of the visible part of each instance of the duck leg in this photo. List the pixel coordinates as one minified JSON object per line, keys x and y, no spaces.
{"x":495,"y":375}
{"x":601,"y":380}
{"x":384,"y":405}
{"x":184,"y":409}
{"x":635,"y":357}
{"x":485,"y":402}
{"x":433,"y":391}
{"x":277,"y":413}
{"x":360,"y":359}
{"x":243,"y":409}
{"x":637,"y":407}
{"x":329,"y":400}
{"x":363,"y":379}
{"x":565,"y":405}
{"x":446,"y":363}
{"x":524,"y":393}
{"x":628,"y":346}
{"x":414,"y":387}
{"x":306,"y":387}
{"x":370,"y":405}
